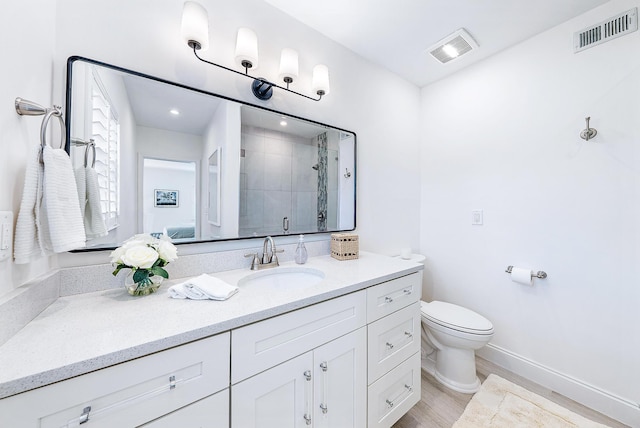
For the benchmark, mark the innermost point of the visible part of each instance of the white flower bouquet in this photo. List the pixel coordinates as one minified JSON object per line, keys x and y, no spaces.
{"x":146,"y":256}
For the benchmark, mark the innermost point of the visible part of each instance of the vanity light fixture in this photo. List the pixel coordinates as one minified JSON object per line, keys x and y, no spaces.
{"x":195,"y":32}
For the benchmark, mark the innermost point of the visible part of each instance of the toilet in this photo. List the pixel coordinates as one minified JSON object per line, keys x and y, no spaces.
{"x":451,"y":334}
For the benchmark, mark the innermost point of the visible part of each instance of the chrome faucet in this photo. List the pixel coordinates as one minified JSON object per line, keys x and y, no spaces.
{"x":269,"y":257}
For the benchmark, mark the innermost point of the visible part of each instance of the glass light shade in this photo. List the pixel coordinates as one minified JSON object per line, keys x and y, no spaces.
{"x":195,"y":24}
{"x":288,"y":64}
{"x":247,"y":47}
{"x":320,"y":82}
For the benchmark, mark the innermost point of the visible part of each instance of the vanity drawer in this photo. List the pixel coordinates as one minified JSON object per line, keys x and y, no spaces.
{"x":210,"y":412}
{"x":395,"y":393}
{"x":262,"y":345}
{"x":127,"y":394}
{"x":390,"y":296}
{"x":392,"y":340}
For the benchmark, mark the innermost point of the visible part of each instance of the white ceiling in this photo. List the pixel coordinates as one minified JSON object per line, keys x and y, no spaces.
{"x":396,"y":33}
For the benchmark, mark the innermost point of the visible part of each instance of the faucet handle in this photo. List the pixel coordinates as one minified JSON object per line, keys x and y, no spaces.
{"x":255,"y":262}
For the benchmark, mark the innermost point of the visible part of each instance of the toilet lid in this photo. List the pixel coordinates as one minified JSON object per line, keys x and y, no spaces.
{"x":456,"y":317}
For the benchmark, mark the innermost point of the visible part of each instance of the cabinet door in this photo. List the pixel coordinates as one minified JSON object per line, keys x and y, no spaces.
{"x":280,"y":397}
{"x":210,"y":412}
{"x":340,"y":382}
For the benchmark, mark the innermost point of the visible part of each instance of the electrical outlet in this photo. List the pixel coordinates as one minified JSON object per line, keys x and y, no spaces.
{"x":6,"y":234}
{"x":476,"y":217}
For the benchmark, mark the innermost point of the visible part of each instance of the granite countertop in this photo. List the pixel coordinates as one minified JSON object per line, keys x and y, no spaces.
{"x":82,"y":333}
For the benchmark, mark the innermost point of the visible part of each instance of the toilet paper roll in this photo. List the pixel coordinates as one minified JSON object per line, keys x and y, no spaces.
{"x":521,"y":276}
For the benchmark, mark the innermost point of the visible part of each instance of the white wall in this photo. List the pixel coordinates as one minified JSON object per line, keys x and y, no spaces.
{"x":26,"y":73}
{"x":503,"y":136}
{"x":169,"y":176}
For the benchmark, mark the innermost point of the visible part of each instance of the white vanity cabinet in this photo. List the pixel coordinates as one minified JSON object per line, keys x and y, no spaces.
{"x":140,"y":392}
{"x":309,"y":360}
{"x":393,"y":355}
{"x":325,"y":387}
{"x":305,"y":368}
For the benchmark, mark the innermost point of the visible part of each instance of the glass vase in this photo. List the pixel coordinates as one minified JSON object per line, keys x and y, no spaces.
{"x":148,"y":285}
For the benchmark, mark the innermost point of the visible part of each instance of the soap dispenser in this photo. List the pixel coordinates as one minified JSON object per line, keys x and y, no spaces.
{"x":301,"y":251}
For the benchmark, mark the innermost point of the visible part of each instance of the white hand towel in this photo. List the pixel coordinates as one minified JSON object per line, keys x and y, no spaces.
{"x":81,"y":185}
{"x":94,"y":225}
{"x":62,"y":225}
{"x":27,"y":244}
{"x":201,"y":288}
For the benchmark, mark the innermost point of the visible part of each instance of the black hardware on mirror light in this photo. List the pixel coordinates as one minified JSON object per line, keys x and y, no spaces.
{"x":262,"y":88}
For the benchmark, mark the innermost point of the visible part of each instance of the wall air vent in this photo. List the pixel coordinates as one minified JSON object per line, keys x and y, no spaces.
{"x":453,"y":46}
{"x":619,"y":25}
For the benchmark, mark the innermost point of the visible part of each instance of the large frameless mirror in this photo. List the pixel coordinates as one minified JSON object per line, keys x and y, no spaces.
{"x":196,"y":166}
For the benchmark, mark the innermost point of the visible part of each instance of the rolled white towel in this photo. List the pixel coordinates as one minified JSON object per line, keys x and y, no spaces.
{"x":203,"y":287}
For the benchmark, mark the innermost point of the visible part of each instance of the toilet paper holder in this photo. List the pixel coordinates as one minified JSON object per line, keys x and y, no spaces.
{"x":539,"y":274}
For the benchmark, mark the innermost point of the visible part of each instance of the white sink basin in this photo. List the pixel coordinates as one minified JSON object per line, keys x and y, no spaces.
{"x":283,"y":278}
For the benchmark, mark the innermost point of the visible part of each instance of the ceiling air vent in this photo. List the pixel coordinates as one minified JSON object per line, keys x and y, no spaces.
{"x":453,"y":46}
{"x":619,"y":25}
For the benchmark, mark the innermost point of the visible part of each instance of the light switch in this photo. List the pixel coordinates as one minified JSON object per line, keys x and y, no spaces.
{"x":476,"y":217}
{"x":6,"y":235}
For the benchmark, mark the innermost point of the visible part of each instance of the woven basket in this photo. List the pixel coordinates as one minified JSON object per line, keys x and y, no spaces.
{"x":344,"y":246}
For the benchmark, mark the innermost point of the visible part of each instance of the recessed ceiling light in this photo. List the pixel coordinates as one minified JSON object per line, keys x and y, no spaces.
{"x":174,"y":111}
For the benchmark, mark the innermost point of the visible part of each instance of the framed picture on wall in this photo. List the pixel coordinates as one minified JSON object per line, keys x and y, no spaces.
{"x":165,"y":198}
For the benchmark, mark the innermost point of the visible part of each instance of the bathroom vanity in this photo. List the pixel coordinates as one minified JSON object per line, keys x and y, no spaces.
{"x":342,"y":352}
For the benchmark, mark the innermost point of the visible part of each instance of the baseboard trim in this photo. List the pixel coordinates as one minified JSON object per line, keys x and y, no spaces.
{"x":588,"y":395}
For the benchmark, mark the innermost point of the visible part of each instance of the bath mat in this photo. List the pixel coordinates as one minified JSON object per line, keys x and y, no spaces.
{"x":500,"y":403}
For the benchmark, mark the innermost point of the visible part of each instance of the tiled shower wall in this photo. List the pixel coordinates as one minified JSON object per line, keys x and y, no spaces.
{"x":277,"y":180}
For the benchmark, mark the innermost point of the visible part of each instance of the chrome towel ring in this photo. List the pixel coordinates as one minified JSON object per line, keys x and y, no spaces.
{"x":29,"y":108}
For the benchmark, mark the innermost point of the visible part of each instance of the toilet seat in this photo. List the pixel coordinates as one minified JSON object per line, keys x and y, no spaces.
{"x":456,"y":317}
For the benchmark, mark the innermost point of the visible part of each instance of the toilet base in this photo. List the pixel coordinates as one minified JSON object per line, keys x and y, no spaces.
{"x":471,"y":388}
{"x":456,"y":369}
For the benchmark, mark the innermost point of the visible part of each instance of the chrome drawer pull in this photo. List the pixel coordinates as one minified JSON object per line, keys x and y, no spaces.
{"x":307,"y":419}
{"x":390,"y":403}
{"x":409,"y":335}
{"x":324,"y":408}
{"x":407,"y":291}
{"x":389,"y":345}
{"x":172,"y":382}
{"x":388,"y":299}
{"x":84,"y":417}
